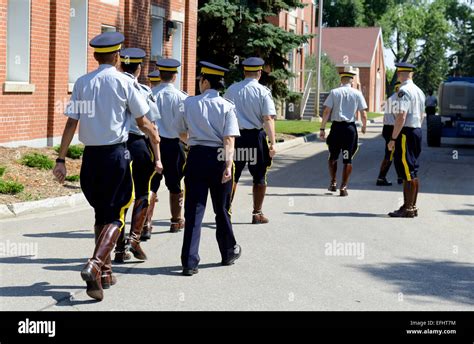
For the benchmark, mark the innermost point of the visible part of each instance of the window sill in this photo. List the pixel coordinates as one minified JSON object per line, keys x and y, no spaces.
{"x":18,"y":87}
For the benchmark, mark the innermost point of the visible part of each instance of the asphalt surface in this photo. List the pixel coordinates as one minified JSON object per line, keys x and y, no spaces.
{"x":319,"y":252}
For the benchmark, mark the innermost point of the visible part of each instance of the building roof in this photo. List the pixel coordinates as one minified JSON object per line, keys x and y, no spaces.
{"x":353,"y":46}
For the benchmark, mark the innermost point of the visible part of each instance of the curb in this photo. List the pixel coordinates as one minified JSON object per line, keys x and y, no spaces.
{"x":296,"y":142}
{"x":16,"y":209}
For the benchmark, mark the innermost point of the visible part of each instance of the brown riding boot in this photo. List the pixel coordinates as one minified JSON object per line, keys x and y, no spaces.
{"x":107,"y":278}
{"x":332,"y":164}
{"x":176,"y":206}
{"x":258,"y":196}
{"x":91,"y":273}
{"x":417,"y":186}
{"x":140,"y":208}
{"x":346,"y":173}
{"x":382,"y":178}
{"x":147,"y":227}
{"x":409,"y":194}
{"x":120,"y":255}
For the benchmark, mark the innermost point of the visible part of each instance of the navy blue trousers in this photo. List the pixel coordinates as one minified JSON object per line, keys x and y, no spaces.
{"x":203,"y":173}
{"x":407,"y":152}
{"x":255,"y":140}
{"x":106,"y":181}
{"x":172,"y":158}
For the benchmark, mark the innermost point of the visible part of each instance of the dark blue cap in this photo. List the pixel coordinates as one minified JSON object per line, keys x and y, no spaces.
{"x":168,"y":65}
{"x":404,"y":67}
{"x":253,"y":64}
{"x":154,"y":76}
{"x":132,"y":55}
{"x":211,"y":68}
{"x":107,"y":42}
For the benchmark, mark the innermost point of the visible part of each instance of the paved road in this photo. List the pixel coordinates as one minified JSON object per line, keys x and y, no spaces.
{"x":320,"y":251}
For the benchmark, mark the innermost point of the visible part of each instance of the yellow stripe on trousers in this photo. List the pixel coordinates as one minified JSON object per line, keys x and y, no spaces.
{"x":404,"y":157}
{"x":152,"y":175}
{"x":132,"y":197}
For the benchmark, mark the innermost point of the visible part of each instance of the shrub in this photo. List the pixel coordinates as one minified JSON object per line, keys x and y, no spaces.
{"x":74,"y":178}
{"x":73,"y":152}
{"x":10,"y":187}
{"x":2,"y":171}
{"x":36,"y":160}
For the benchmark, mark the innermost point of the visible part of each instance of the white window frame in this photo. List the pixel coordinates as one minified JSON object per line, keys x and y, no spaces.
{"x":71,"y":82}
{"x":15,"y":86}
{"x":155,"y":57}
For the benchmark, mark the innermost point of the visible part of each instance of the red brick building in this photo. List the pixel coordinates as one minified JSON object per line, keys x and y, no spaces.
{"x":362,"y":48}
{"x":300,"y":21}
{"x":45,"y":43}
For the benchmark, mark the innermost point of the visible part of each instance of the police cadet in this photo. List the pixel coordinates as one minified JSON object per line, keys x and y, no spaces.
{"x":106,"y":178}
{"x":145,"y":160}
{"x":169,"y":100}
{"x":388,"y":122}
{"x":154,"y":78}
{"x":209,"y":124}
{"x":255,"y":113}
{"x":342,"y":105}
{"x":406,"y":138}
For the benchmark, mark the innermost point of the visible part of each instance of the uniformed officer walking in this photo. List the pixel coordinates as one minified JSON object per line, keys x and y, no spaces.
{"x":169,"y":101}
{"x":255,"y":114}
{"x":106,"y":178}
{"x":406,"y":138}
{"x":145,"y":157}
{"x":155,"y":80}
{"x":387,"y":130}
{"x":209,"y":124}
{"x":342,"y":105}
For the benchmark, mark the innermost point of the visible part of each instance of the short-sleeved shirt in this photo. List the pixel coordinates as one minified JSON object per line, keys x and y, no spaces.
{"x":103,"y":101}
{"x":207,"y":119}
{"x":390,"y":105}
{"x":344,"y":102}
{"x":431,"y":101}
{"x":252,"y":101}
{"x":153,"y":114}
{"x":169,"y":100}
{"x":411,"y":100}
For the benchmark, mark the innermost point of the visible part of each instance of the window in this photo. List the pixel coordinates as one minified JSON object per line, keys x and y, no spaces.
{"x":18,"y":41}
{"x":177,"y":49}
{"x":108,"y":28}
{"x":77,"y":39}
{"x":156,"y":38}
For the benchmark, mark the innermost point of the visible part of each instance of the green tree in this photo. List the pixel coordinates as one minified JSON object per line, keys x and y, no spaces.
{"x":432,"y":65}
{"x":461,"y":17}
{"x":402,"y":28}
{"x":230,"y":30}
{"x":343,"y":13}
{"x":329,"y":76}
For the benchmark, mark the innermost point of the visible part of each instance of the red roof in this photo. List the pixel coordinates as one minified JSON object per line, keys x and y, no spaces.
{"x":354,"y":46}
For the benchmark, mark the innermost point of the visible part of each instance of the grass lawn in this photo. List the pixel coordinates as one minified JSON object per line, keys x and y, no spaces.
{"x":372,"y":115}
{"x":296,"y":127}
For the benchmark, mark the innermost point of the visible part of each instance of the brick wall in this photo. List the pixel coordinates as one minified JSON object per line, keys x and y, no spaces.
{"x":34,"y":118}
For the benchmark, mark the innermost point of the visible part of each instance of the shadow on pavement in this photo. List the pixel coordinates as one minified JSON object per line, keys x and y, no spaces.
{"x":43,"y":289}
{"x":439,"y":172}
{"x":339,"y":214}
{"x":447,"y":280}
{"x":80,"y":234}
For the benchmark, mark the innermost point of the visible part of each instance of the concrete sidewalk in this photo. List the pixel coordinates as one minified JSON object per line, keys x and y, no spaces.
{"x":319,"y":252}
